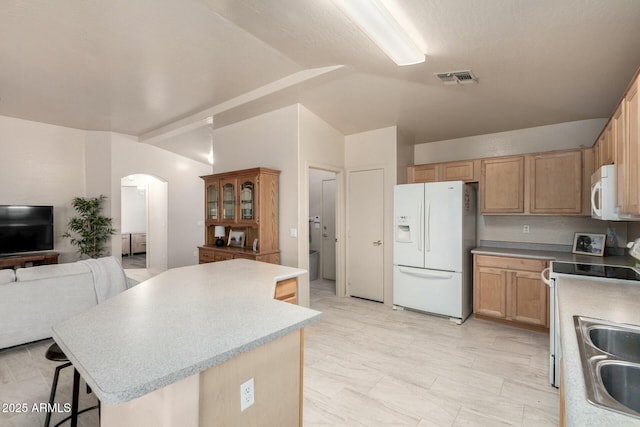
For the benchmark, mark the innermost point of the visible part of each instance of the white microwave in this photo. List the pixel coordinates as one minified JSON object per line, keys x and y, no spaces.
{"x":603,"y":196}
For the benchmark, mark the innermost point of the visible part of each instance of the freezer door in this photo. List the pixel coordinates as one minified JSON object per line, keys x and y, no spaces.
{"x":408,"y":225}
{"x":437,"y":292}
{"x":443,"y":240}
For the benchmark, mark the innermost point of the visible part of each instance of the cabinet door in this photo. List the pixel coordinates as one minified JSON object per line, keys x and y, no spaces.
{"x":458,"y":171}
{"x":528,"y":298}
{"x":212,"y":195}
{"x":228,"y":188}
{"x":490,"y":292}
{"x":502,"y":185}
{"x":632,"y":171}
{"x":422,"y":173}
{"x":605,"y":146}
{"x":618,"y":136}
{"x":247,"y":198}
{"x":587,"y":171}
{"x":556,"y":183}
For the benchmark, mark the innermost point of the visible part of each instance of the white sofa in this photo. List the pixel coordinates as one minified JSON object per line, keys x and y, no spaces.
{"x":34,"y":299}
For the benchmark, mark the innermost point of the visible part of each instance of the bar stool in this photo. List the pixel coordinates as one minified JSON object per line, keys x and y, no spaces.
{"x":54,"y":353}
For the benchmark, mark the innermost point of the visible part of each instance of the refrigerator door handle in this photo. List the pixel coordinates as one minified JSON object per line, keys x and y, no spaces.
{"x":420,"y":221}
{"x":428,"y":274}
{"x":427,"y":227}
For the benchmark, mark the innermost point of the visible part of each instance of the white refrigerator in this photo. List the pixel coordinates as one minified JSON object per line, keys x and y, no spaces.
{"x":434,"y":232}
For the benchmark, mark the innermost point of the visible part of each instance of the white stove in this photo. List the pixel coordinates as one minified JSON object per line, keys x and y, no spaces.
{"x":591,"y":271}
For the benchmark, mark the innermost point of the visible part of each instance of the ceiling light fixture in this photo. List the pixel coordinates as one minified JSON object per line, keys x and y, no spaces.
{"x":376,"y":21}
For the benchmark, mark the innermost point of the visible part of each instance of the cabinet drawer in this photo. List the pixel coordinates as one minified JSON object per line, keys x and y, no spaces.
{"x":510,"y":263}
{"x":286,"y":289}
{"x":205,"y":256}
{"x":219,"y":256}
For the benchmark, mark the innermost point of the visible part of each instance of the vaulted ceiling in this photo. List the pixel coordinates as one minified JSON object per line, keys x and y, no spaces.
{"x":135,"y":67}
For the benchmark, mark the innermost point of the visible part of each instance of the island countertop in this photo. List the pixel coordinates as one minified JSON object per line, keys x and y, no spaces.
{"x":178,"y":323}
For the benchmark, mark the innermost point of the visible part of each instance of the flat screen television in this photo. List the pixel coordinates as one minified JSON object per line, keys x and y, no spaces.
{"x":25,"y":229}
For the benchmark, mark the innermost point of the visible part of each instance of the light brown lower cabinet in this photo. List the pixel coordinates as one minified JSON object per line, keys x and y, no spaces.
{"x":287,"y":291}
{"x":510,"y":290}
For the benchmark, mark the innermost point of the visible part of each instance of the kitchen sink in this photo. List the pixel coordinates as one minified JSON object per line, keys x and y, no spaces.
{"x":622,"y":382}
{"x":610,"y":356}
{"x":619,"y":342}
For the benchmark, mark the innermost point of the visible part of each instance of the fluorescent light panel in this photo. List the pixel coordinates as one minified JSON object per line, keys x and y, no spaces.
{"x":378,"y":23}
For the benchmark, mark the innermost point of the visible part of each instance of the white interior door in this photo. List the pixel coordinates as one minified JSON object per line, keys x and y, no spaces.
{"x":365,"y":245}
{"x":328,"y":252}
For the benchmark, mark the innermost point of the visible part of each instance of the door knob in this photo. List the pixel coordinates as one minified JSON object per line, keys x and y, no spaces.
{"x":377,"y":243}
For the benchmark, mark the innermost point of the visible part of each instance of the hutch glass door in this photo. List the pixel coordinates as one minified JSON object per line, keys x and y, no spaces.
{"x":247,"y":195}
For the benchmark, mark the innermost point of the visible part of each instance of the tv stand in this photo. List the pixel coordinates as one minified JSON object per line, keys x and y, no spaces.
{"x":28,"y":260}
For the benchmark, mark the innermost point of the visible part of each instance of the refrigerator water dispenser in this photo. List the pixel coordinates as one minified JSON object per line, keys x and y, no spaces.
{"x":403,"y":234}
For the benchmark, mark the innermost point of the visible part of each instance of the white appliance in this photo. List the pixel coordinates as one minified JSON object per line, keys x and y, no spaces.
{"x":599,"y":272}
{"x":603,"y":196}
{"x":434,"y":232}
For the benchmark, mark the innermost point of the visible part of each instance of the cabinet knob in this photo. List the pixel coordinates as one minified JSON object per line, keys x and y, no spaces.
{"x":377,"y":243}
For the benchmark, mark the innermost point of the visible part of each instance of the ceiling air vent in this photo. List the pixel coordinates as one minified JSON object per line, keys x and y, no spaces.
{"x":457,"y":77}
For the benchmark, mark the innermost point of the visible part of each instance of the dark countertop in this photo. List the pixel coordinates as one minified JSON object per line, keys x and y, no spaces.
{"x":554,"y":256}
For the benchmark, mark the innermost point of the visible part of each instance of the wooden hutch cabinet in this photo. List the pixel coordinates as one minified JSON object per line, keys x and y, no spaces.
{"x":244,"y":201}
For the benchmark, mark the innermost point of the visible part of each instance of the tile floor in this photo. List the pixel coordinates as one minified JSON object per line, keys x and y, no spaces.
{"x":367,"y":365}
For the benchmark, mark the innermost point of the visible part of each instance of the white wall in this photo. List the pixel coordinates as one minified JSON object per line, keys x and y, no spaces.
{"x":268,"y":140}
{"x":508,"y":228}
{"x":377,"y":149}
{"x":531,"y":140}
{"x":43,"y":165}
{"x":185,"y":193}
{"x":134,"y":209}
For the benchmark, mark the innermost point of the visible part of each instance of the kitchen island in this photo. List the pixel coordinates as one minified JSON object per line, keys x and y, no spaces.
{"x":176,"y":349}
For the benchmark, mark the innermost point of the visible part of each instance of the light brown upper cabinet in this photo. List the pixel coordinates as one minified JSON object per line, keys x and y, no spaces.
{"x":618,"y":136}
{"x":465,"y":170}
{"x":631,"y":182}
{"x":422,"y":173}
{"x":607,"y":153}
{"x":555,"y":183}
{"x":502,"y":185}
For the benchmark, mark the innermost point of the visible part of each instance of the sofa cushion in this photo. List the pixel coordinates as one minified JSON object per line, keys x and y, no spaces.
{"x":7,"y":276}
{"x":51,"y":271}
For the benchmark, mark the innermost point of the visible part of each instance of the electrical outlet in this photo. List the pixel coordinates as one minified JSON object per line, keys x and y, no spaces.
{"x":246,"y":395}
{"x":525,"y":228}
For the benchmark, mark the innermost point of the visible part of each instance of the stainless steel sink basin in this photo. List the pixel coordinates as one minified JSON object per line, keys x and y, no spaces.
{"x":610,"y":356}
{"x":622,"y":343}
{"x":622,"y":382}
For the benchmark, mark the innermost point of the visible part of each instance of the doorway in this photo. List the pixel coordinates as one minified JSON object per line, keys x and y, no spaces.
{"x":322,"y":229}
{"x":143,"y":223}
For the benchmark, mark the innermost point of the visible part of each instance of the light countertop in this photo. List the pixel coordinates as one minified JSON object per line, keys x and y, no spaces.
{"x":616,"y":301}
{"x":178,"y":323}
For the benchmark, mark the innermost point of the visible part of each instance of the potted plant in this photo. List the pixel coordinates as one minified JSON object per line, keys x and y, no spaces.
{"x":90,"y":230}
